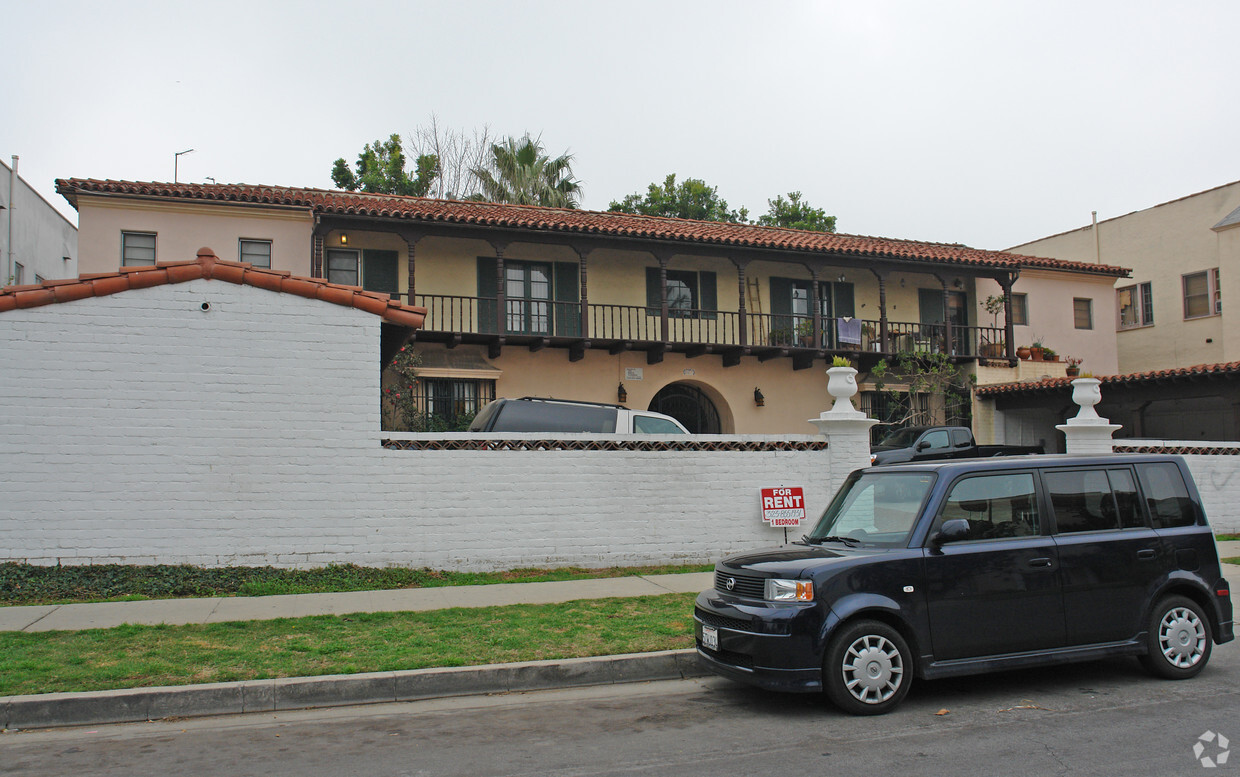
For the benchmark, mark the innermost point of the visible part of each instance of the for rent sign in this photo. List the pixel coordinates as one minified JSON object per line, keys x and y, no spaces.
{"x":784,"y":506}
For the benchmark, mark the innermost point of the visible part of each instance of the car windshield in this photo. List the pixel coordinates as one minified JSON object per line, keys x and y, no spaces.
{"x":901,"y":438}
{"x":875,"y":508}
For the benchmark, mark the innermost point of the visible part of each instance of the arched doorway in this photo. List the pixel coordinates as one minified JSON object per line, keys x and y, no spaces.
{"x":688,"y":405}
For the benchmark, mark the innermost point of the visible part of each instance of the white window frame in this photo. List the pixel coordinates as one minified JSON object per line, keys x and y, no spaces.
{"x":19,"y":273}
{"x":128,"y":233}
{"x":245,"y":242}
{"x":1214,"y":302}
{"x":1144,"y":293}
{"x":337,"y":253}
{"x":1089,"y":311}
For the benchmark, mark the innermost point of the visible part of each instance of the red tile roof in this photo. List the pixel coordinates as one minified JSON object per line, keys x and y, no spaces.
{"x":1052,"y":384}
{"x":207,"y":265}
{"x":526,"y":217}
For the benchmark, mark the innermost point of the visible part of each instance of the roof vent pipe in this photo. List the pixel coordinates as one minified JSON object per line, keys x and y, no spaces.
{"x":1097,"y":243}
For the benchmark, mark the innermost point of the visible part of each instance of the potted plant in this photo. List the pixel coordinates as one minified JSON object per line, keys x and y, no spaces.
{"x":805,"y":332}
{"x":1074,"y":366}
{"x":1049,"y":355}
{"x":1036,"y":350}
{"x":1023,"y":353}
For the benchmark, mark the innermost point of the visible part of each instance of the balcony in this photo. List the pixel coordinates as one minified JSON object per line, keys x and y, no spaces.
{"x":537,"y":324}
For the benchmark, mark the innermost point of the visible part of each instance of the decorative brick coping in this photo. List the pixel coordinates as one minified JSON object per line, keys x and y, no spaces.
{"x":1181,"y":450}
{"x":723,"y":446}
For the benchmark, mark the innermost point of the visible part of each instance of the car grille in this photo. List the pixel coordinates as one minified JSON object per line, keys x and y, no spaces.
{"x":722,"y":621}
{"x":728,"y":657}
{"x":748,"y":586}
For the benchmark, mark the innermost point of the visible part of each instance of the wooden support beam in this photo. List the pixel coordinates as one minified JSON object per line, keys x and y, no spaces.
{"x":655,"y":354}
{"x":538,"y":345}
{"x":495,"y":347}
{"x":619,"y":347}
{"x":802,"y":361}
{"x":776,"y":353}
{"x":732,"y":357}
{"x":577,"y":351}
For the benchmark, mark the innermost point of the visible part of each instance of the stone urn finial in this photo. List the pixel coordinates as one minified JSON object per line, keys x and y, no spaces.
{"x":1087,"y":392}
{"x":842,"y":384}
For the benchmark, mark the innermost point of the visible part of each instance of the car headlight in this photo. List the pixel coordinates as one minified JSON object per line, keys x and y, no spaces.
{"x":789,"y":590}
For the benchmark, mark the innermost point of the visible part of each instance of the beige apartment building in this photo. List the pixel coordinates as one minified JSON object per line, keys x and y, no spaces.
{"x":727,"y":327}
{"x":1185,"y":260}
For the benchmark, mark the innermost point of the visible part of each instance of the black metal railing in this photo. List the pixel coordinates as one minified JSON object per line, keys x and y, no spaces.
{"x":477,"y":315}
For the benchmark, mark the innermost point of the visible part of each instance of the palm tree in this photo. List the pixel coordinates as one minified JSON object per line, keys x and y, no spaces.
{"x":521,"y":173}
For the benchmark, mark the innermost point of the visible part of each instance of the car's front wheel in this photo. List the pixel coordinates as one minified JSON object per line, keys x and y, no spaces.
{"x":1178,"y":639}
{"x":867,"y":669}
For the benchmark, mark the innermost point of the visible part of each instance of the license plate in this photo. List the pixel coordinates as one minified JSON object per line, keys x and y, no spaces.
{"x":710,"y":637}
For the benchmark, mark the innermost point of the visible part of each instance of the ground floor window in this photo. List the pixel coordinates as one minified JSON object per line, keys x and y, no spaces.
{"x":436,"y":404}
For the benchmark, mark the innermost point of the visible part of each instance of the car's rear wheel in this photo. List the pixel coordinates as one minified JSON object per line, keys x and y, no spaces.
{"x":867,"y":669}
{"x":1178,"y":638}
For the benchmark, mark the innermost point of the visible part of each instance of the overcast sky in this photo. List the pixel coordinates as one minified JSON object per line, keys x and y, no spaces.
{"x":985,"y":123}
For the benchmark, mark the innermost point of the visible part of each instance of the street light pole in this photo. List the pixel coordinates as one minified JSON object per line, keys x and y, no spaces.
{"x":176,"y":159}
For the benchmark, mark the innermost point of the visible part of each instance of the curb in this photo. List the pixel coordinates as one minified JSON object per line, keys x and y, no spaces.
{"x":294,"y":693}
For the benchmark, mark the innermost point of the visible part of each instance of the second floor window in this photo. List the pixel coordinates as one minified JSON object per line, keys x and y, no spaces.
{"x":1083,"y":313}
{"x":1020,"y":310}
{"x":342,"y":266}
{"x":1201,"y":294}
{"x":1136,"y":306}
{"x":256,"y":252}
{"x":689,"y":294}
{"x":137,"y":248}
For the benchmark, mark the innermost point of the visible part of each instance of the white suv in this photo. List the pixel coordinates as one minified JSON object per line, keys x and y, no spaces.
{"x":532,"y":414}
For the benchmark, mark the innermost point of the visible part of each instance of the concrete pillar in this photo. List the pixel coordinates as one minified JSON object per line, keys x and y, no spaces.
{"x":846,"y":428}
{"x":1087,"y":433}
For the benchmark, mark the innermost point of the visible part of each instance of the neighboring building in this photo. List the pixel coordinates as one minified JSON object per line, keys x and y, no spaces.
{"x":1201,"y":402}
{"x":45,"y":243}
{"x":727,"y":327}
{"x":1185,"y":260}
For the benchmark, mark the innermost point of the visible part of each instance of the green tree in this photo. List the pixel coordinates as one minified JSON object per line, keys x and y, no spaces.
{"x":381,"y":170}
{"x":692,"y":198}
{"x":795,"y":214}
{"x":521,"y":173}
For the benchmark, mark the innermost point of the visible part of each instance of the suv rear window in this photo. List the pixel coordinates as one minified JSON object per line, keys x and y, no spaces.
{"x":1166,"y":495}
{"x":524,"y":416}
{"x":1094,"y":500}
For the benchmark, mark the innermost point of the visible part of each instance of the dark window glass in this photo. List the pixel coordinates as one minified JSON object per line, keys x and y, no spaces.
{"x":961,"y":437}
{"x":1020,"y":310}
{"x":1081,"y":500}
{"x":937,"y":439}
{"x":995,"y":506}
{"x":1166,"y":495}
{"x":1128,"y":503}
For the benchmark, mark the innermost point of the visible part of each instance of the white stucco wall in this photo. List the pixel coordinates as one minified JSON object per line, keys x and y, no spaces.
{"x":137,"y":428}
{"x":42,"y":237}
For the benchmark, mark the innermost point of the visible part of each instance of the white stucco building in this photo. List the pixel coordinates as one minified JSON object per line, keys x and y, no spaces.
{"x":44,"y":244}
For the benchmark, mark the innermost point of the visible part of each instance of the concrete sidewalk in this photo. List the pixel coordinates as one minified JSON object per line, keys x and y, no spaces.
{"x":105,"y":615}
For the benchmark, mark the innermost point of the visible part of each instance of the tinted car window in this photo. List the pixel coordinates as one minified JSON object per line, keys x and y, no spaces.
{"x":648,"y":424}
{"x":936,"y":439}
{"x":1166,"y":495}
{"x":878,"y":508}
{"x":1124,"y":489}
{"x":961,"y":437}
{"x":995,"y":506}
{"x":1081,"y":500}
{"x":519,"y":416}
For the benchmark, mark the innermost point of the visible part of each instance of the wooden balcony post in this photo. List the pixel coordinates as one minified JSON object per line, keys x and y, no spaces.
{"x":947,"y":327}
{"x":501,"y":289}
{"x":815,"y":309}
{"x":411,"y":241}
{"x":582,"y":254}
{"x":663,"y":258}
{"x":742,"y":316}
{"x":1009,"y":334}
{"x":884,"y":337}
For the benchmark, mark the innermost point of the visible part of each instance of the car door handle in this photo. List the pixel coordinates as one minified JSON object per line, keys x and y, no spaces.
{"x":1147,"y":553}
{"x":1039,"y":562}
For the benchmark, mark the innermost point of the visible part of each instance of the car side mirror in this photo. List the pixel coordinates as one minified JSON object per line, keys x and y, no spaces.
{"x":954,"y":530}
{"x":921,"y":446}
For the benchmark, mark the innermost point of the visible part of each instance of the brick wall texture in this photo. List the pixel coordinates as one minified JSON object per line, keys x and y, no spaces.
{"x":139,"y":428}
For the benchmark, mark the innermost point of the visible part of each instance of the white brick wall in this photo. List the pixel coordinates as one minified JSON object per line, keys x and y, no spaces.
{"x":137,"y":428}
{"x":1217,"y":476}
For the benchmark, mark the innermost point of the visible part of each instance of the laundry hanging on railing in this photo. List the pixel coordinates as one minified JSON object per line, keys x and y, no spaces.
{"x":848,"y":330}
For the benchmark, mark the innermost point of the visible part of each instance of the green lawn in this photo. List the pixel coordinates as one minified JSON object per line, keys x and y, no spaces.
{"x":27,"y":584}
{"x":138,"y":656}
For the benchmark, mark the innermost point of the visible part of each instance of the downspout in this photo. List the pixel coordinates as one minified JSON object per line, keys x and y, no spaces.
{"x":1097,"y":242}
{"x":8,"y":273}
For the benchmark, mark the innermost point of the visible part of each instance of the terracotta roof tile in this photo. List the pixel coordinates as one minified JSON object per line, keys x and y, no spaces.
{"x":537,"y":219}
{"x":207,"y":265}
{"x":1056,"y":384}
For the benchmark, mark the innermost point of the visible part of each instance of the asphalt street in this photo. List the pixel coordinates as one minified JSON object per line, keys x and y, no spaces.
{"x":1105,"y":718}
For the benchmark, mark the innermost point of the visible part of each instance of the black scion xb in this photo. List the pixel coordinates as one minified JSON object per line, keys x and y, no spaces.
{"x":968,"y":566}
